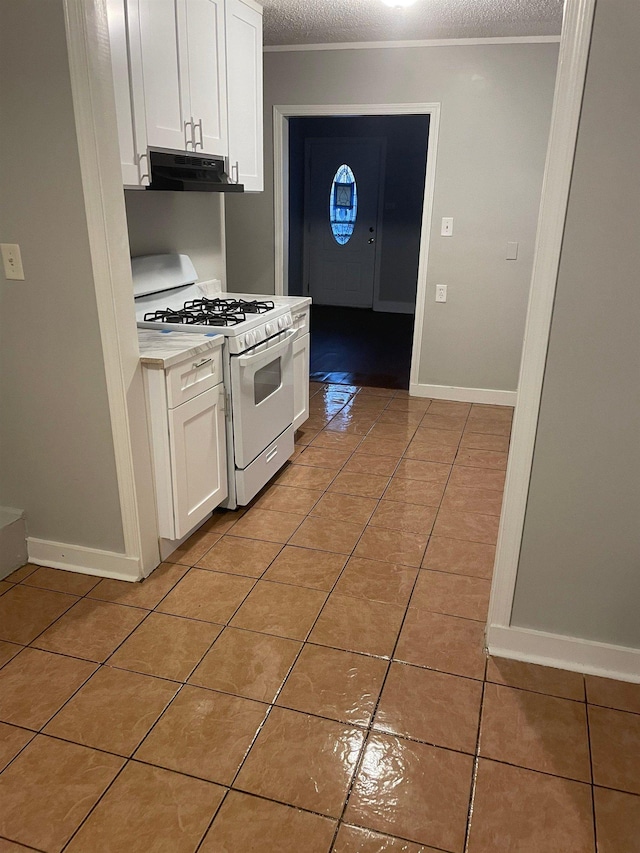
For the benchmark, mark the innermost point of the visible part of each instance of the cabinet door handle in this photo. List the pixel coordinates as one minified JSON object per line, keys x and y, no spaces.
{"x":198,"y":364}
{"x":141,"y":173}
{"x":186,"y":138}
{"x":201,"y":143}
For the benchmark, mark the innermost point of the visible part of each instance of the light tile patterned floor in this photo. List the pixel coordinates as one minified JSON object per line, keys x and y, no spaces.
{"x":308,"y":675}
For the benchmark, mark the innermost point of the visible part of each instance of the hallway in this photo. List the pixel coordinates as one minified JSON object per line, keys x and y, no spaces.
{"x":308,"y":675}
{"x":358,"y":346}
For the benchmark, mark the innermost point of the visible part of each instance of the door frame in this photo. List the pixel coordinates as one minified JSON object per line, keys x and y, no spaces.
{"x":382,"y":149}
{"x":503,"y":639}
{"x":281,"y":116}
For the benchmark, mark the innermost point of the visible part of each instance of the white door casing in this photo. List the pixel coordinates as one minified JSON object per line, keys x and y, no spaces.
{"x":281,"y":115}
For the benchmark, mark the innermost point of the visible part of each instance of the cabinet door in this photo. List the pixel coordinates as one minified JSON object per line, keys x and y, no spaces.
{"x":244,"y":86}
{"x":163,"y":69}
{"x":126,"y":64}
{"x":198,"y":458}
{"x":300,"y":380}
{"x":205,"y":52}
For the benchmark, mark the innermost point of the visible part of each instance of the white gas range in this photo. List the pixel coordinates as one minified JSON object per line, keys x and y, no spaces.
{"x":258,"y":361}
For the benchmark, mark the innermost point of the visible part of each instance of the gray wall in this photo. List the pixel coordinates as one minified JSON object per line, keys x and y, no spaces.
{"x":579,"y":571}
{"x":56,"y":450}
{"x":191,"y":223}
{"x":496,"y":108}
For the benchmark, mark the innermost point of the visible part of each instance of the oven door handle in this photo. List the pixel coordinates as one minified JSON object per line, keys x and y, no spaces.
{"x":267,"y":355}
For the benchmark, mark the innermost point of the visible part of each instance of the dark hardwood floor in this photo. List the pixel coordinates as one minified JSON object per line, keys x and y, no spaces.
{"x":358,"y":346}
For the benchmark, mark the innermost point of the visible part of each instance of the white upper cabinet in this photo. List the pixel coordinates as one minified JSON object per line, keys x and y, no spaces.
{"x":205,"y":53}
{"x":183,"y":69}
{"x":165,"y":83}
{"x":124,"y":35}
{"x":244,"y":86}
{"x":188,"y":77}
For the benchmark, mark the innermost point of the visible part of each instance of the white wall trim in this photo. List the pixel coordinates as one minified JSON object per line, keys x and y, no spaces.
{"x":95,"y":118}
{"x":86,"y":561}
{"x":376,"y":45}
{"x":619,"y":662}
{"x":465,"y":395}
{"x":574,"y":51}
{"x":281,"y":113}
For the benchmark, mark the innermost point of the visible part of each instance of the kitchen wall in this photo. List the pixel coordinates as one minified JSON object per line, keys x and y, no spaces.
{"x":190,"y":223}
{"x":496,"y":108}
{"x":405,"y":141}
{"x":56,"y":449}
{"x":579,"y":569}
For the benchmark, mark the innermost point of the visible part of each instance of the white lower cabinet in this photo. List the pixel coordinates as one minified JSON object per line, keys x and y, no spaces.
{"x":301,"y":350}
{"x":188,"y":444}
{"x":198,"y":463}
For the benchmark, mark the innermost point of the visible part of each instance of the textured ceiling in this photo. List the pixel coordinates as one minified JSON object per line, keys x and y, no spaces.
{"x":288,"y":22}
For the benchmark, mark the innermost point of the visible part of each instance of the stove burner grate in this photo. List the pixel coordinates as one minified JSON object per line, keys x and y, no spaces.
{"x":191,"y":317}
{"x":219,"y":305}
{"x":210,"y":312}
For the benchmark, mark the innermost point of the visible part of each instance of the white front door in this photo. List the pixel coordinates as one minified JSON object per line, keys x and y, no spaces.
{"x":339,"y":266}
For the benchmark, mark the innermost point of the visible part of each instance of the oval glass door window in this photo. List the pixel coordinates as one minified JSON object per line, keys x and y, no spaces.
{"x":343,"y":204}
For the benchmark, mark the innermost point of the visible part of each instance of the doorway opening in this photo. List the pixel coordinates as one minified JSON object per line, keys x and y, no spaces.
{"x":364,"y":172}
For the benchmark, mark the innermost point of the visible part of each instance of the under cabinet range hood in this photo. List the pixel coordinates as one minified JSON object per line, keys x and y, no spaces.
{"x":175,"y":171}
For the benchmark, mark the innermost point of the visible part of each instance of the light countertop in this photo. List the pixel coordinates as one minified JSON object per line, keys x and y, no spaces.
{"x":165,"y":349}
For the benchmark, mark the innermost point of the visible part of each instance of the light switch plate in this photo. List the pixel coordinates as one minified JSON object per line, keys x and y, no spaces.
{"x":447,"y":226}
{"x":512,"y":251}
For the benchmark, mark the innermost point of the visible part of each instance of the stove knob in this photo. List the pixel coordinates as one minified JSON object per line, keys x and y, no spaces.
{"x":241,"y":340}
{"x":281,"y":322}
{"x":250,"y":339}
{"x":269,"y":329}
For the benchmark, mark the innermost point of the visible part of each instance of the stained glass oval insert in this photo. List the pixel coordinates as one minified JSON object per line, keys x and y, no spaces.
{"x":343,"y":204}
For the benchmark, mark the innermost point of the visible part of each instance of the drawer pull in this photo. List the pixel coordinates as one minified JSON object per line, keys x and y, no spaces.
{"x":198,"y":364}
{"x":272,"y":453}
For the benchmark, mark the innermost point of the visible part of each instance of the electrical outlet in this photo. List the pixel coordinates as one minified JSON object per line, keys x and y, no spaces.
{"x":441,"y":292}
{"x":12,"y":261}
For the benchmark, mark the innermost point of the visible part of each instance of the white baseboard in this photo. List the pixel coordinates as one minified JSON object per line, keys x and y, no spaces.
{"x":588,"y":656}
{"x":465,"y":395}
{"x":87,"y":561}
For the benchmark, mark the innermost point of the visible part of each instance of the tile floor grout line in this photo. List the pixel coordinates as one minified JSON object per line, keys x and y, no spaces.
{"x":593,"y":790}
{"x":26,"y":846}
{"x":474,"y":773}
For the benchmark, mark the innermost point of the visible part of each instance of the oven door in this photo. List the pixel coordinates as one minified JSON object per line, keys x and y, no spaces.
{"x":261,"y":396}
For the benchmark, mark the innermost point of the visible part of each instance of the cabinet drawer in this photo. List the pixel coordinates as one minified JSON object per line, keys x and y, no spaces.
{"x":193,"y":376}
{"x":300,"y":319}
